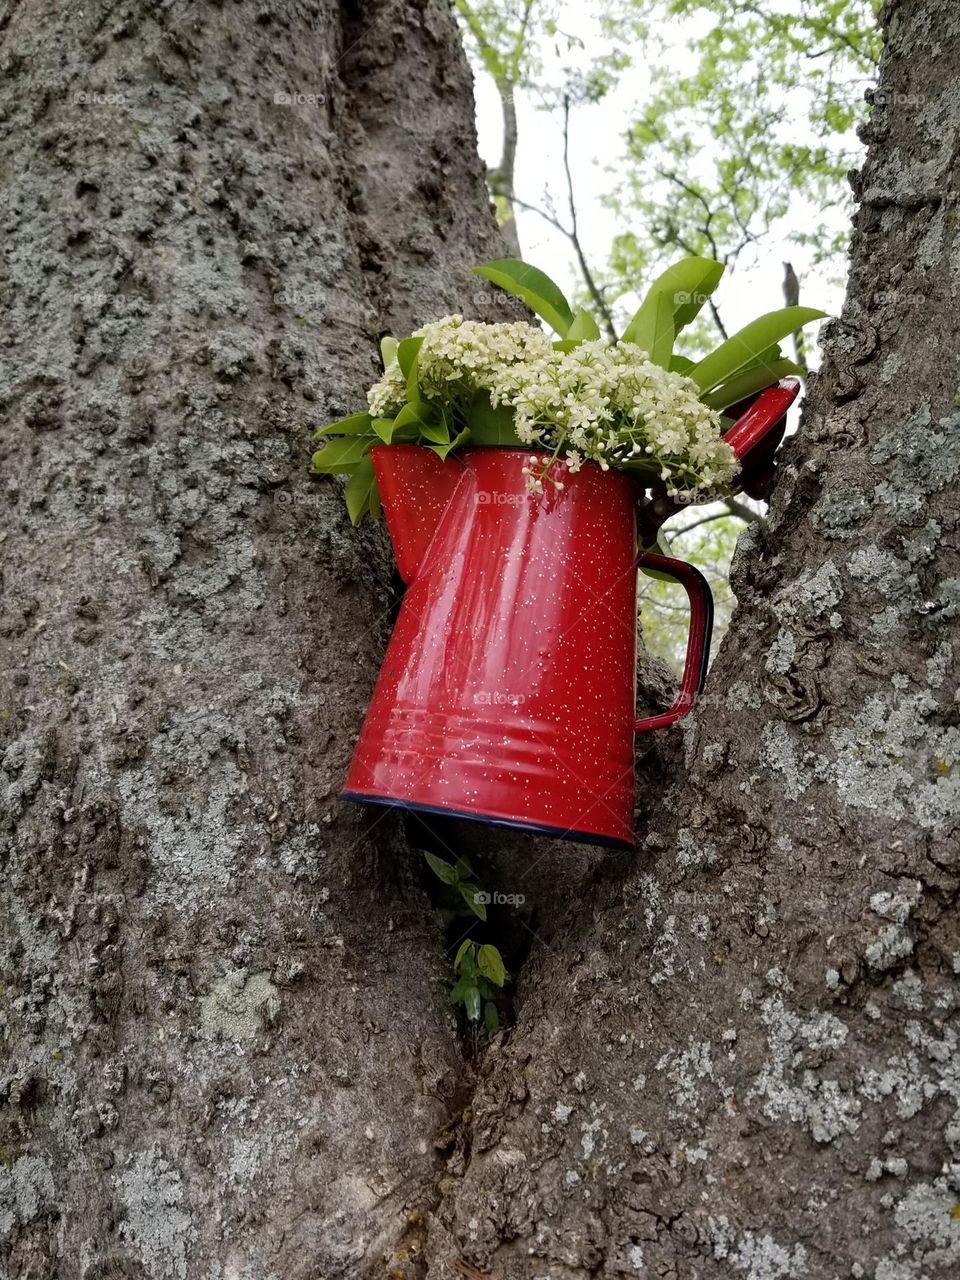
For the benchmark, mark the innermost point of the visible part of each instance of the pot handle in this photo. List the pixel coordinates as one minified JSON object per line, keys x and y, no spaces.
{"x":698,"y":643}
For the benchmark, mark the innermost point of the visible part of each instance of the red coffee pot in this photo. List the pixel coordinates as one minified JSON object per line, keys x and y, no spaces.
{"x":507,"y":691}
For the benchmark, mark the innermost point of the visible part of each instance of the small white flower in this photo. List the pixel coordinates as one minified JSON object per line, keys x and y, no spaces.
{"x":597,"y":403}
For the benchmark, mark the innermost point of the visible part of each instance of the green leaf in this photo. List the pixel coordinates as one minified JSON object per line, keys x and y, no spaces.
{"x":357,"y":424}
{"x":425,"y":419}
{"x":690,"y":282}
{"x":534,"y":288}
{"x":388,"y":350}
{"x":461,"y":952}
{"x":445,"y":870}
{"x":459,"y":990}
{"x":469,"y":893}
{"x":584,"y":327}
{"x":652,"y":328}
{"x":471,"y":1002}
{"x":750,"y":382}
{"x":491,"y":1019}
{"x":392,"y":432}
{"x":490,"y":964}
{"x":465,"y":865}
{"x":686,"y":286}
{"x":407,"y":352}
{"x":408,"y":356}
{"x":489,"y":426}
{"x":680,"y":364}
{"x":360,"y":489}
{"x":743,"y":348}
{"x":341,"y":455}
{"x":385,"y":428}
{"x":435,"y":431}
{"x":441,"y":450}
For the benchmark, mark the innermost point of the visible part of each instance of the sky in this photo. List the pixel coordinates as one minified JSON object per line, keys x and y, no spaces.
{"x":596,"y":144}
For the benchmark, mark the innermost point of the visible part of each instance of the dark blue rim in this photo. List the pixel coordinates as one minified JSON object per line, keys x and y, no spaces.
{"x":533,"y":828}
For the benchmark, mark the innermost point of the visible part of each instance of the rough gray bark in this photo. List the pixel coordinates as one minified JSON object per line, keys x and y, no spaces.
{"x":741,"y":1058}
{"x":227,"y":1050}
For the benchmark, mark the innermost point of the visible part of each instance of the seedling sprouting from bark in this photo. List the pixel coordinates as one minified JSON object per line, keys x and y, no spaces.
{"x":461,"y":896}
{"x":478,"y":967}
{"x":480,"y":978}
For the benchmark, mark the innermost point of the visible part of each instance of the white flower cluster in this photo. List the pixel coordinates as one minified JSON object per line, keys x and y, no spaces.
{"x":600,"y":403}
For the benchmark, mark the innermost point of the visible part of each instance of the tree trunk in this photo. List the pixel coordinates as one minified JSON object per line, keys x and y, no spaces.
{"x":228,"y":1048}
{"x":503,"y":178}
{"x":739,"y":1055}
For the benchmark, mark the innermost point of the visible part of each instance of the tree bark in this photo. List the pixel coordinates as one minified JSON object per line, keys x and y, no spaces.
{"x":739,"y":1056}
{"x":228,"y":1051}
{"x":503,"y":178}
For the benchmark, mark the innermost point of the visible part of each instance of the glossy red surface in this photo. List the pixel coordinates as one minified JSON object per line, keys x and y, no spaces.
{"x":757,"y":433}
{"x":698,"y":644}
{"x":507,"y":690}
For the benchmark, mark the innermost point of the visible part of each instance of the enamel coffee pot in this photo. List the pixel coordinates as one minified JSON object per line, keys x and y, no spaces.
{"x":507,"y":692}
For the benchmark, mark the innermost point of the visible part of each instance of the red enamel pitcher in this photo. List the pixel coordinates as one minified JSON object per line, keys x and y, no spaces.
{"x":507,"y":691}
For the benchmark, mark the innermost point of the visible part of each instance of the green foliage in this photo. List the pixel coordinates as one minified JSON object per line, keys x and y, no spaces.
{"x":534,"y":288}
{"x":361,"y":493}
{"x":673,"y":301}
{"x":777,"y":87}
{"x":462,"y":896}
{"x":480,"y":978}
{"x":479,"y":971}
{"x":675,"y":297}
{"x":767,"y":369}
{"x":509,"y":36}
{"x":752,"y":349}
{"x":750,"y":358}
{"x":490,"y":426}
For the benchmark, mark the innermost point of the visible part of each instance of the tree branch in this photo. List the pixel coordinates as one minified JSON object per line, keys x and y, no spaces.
{"x":742,"y":511}
{"x":717,"y":515}
{"x":791,"y":295}
{"x":587,"y":274}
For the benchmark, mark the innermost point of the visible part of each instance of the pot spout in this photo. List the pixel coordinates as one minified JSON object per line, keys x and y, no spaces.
{"x":415,"y":486}
{"x":763,"y":414}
